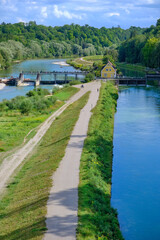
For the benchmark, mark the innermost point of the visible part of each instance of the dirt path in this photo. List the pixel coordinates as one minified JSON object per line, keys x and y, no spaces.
{"x":10,"y":164}
{"x":85,"y":60}
{"x":62,"y":206}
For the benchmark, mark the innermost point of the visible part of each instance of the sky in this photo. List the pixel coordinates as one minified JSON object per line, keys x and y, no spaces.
{"x":96,"y":13}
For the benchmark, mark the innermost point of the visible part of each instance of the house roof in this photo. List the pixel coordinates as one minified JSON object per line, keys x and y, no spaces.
{"x":111,"y":65}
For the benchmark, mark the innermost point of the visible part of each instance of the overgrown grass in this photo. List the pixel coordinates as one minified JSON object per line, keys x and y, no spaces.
{"x":66,"y":93}
{"x":14,"y":125}
{"x":23,"y":209}
{"x":93,"y":58}
{"x":82,"y":65}
{"x":97,"y":219}
{"x":136,"y":67}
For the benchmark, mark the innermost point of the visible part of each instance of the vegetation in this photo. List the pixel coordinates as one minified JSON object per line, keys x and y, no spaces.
{"x":144,"y":49}
{"x":97,"y":219}
{"x":89,"y":77}
{"x":24,"y":217}
{"x":21,"y":114}
{"x":20,"y":41}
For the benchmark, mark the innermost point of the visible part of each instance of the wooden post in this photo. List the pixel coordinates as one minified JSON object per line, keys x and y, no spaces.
{"x":65,"y":77}
{"x":55,"y":77}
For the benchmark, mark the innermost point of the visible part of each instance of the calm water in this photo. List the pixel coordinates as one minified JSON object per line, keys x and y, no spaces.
{"x":131,"y":73}
{"x":30,"y":65}
{"x":136,"y":163}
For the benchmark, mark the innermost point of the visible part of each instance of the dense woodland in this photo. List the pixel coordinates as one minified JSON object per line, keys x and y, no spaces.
{"x":21,"y":41}
{"x":142,"y":48}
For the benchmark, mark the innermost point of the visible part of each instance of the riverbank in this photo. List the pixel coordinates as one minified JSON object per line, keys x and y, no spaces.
{"x":14,"y":125}
{"x":135,"y":67}
{"x":96,"y":218}
{"x":2,"y":85}
{"x":24,"y":218}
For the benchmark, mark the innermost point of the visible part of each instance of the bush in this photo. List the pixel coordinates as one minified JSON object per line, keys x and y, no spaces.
{"x":74,"y":82}
{"x":55,"y":89}
{"x":26,"y":106}
{"x":38,"y":92}
{"x":89,"y":77}
{"x":15,"y":103}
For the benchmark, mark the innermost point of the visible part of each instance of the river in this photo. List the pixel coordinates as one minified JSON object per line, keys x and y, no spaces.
{"x":136,"y":163}
{"x":136,"y":160}
{"x":9,"y":92}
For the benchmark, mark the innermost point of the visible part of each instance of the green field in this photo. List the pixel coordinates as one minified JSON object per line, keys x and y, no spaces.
{"x":136,"y":67}
{"x":97,"y":219}
{"x":14,"y":125}
{"x":93,"y":58}
{"x":23,"y":208}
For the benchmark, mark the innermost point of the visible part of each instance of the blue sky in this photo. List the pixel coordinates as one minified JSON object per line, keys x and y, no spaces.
{"x":95,"y":13}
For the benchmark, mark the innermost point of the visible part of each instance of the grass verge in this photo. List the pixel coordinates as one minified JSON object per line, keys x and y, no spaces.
{"x":97,"y":219}
{"x":23,"y":208}
{"x":14,"y":126}
{"x":135,"y":67}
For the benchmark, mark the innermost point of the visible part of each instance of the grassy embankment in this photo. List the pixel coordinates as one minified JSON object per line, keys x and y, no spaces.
{"x":97,"y":219}
{"x":86,"y":63}
{"x":135,"y":67}
{"x":14,"y":125}
{"x":23,"y":208}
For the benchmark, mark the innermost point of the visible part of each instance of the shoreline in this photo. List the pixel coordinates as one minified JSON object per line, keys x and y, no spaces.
{"x":62,"y":63}
{"x":2,"y":85}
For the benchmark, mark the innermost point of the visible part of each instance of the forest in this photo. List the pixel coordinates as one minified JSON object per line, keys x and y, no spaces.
{"x":22,"y":41}
{"x":142,"y":48}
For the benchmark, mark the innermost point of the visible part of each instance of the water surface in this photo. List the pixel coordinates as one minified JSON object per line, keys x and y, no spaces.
{"x":9,"y":92}
{"x":136,"y":163}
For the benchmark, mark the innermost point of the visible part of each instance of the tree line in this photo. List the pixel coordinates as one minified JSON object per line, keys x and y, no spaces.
{"x":21,"y":41}
{"x":143,"y":48}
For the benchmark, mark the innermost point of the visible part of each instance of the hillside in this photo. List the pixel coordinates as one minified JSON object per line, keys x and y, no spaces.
{"x":20,"y":41}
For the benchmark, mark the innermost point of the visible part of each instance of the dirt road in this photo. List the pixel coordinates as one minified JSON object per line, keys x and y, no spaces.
{"x":10,"y":164}
{"x":62,"y":206}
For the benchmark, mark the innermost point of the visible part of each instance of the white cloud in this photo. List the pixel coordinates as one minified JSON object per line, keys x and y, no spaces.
{"x":59,"y":13}
{"x":112,"y":14}
{"x":150,"y":1}
{"x":44,"y":12}
{"x":4,"y":1}
{"x":21,"y":20}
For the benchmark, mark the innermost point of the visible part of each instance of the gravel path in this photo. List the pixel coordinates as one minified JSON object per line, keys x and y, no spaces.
{"x":62,"y":206}
{"x":10,"y":164}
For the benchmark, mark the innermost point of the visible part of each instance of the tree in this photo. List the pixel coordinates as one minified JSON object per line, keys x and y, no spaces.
{"x":25,"y":106}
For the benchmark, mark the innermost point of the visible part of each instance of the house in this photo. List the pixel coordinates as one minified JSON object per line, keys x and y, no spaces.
{"x":109,"y":71}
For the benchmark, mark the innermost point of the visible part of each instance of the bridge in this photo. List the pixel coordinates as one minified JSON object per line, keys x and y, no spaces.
{"x":135,"y":81}
{"x":38,"y":77}
{"x":126,"y":81}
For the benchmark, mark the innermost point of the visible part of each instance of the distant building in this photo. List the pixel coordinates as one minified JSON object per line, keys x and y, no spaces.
{"x":109,"y":71}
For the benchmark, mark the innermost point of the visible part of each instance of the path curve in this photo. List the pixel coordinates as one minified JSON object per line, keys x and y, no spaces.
{"x":62,"y":206}
{"x":11,"y":163}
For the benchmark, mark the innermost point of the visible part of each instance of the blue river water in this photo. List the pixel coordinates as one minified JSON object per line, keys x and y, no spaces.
{"x":136,"y":163}
{"x":9,"y":92}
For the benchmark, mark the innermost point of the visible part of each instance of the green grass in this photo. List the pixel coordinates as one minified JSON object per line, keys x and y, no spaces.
{"x":23,"y":208}
{"x":96,"y":218}
{"x":82,"y":65}
{"x":136,"y":67}
{"x":66,"y":93}
{"x":14,"y":126}
{"x":93,"y":58}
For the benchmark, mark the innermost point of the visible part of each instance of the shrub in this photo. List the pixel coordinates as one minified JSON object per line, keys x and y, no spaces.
{"x":89,"y":77}
{"x":74,"y":82}
{"x":38,"y":92}
{"x":26,"y":106}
